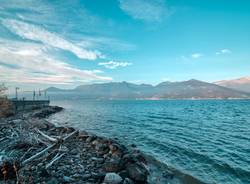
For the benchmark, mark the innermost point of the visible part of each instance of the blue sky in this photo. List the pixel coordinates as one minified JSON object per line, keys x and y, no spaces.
{"x":67,"y":43}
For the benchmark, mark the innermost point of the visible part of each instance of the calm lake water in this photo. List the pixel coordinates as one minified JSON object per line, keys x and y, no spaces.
{"x":208,"y":139}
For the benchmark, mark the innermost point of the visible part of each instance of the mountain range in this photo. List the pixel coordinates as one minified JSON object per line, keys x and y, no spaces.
{"x":241,"y":84}
{"x":191,"y":89}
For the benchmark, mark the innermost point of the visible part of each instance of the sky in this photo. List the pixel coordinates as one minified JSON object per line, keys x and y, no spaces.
{"x":72,"y":42}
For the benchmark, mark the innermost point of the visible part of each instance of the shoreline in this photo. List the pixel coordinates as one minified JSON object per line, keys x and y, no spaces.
{"x":85,"y":157}
{"x":34,"y":150}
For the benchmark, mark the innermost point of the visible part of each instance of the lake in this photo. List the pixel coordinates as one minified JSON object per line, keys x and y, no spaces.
{"x":207,"y":139}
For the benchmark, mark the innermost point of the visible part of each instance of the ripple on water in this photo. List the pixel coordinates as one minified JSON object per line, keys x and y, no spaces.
{"x":207,"y":139}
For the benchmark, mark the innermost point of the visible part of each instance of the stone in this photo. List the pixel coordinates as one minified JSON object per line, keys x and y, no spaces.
{"x":112,"y":178}
{"x":102,"y":148}
{"x":113,"y":147}
{"x":123,"y":174}
{"x":90,"y":139}
{"x":68,"y":179}
{"x":117,"y":153}
{"x":128,"y":181}
{"x":112,"y":165}
{"x":95,"y":142}
{"x":82,"y":135}
{"x":106,"y":156}
{"x":53,"y":181}
{"x":70,"y":130}
{"x":128,"y":158}
{"x":77,"y":176}
{"x":140,"y":157}
{"x":96,"y":159}
{"x":138,"y":172}
{"x":98,"y":176}
{"x":86,"y":176}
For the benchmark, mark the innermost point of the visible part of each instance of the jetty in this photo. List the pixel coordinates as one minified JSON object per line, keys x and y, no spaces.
{"x":28,"y":104}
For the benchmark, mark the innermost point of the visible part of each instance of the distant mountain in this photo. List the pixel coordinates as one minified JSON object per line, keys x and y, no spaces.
{"x":191,"y":89}
{"x":195,"y":89}
{"x":241,"y":84}
{"x":116,"y":90}
{"x":54,"y":89}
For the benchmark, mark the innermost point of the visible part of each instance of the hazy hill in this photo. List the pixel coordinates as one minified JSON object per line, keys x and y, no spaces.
{"x":241,"y":84}
{"x":191,"y":89}
{"x":54,"y":89}
{"x":116,"y":90}
{"x":195,"y":89}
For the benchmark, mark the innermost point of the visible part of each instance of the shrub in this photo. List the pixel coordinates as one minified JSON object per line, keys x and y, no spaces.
{"x":6,"y":108}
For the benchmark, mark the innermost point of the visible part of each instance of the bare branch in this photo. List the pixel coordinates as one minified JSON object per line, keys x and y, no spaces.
{"x":57,"y":157}
{"x":46,"y":136}
{"x":59,"y":142}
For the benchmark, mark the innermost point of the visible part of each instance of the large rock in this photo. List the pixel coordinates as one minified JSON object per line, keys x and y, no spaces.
{"x":128,"y":158}
{"x":138,"y":172}
{"x":112,"y":178}
{"x":112,"y":165}
{"x":123,"y":174}
{"x":90,"y":138}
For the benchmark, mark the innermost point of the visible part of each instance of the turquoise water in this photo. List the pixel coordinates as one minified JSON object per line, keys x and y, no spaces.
{"x":208,"y":139}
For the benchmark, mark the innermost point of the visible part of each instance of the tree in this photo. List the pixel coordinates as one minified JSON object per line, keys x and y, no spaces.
{"x":5,"y":105}
{"x":2,"y":90}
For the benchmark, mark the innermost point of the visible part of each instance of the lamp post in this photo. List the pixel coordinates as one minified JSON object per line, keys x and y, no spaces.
{"x":17,"y":88}
{"x":34,"y":95}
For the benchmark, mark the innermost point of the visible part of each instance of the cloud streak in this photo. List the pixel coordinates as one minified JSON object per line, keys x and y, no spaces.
{"x":30,"y":63}
{"x":114,"y":64}
{"x":36,"y":33}
{"x":146,"y":10}
{"x":39,"y":39}
{"x":223,"y":51}
{"x":196,"y":55}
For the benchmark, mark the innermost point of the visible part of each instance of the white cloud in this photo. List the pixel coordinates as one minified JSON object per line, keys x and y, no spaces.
{"x":223,"y":51}
{"x":113,"y":64}
{"x":106,"y":43}
{"x":196,"y":55}
{"x":69,"y":15}
{"x":147,"y":10}
{"x":30,"y":63}
{"x":36,"y":33}
{"x":165,"y":79}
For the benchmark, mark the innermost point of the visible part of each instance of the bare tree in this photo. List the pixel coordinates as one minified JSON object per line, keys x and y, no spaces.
{"x":2,"y":90}
{"x":5,"y":105}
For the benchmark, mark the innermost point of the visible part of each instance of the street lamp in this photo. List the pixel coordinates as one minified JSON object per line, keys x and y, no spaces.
{"x":17,"y":88}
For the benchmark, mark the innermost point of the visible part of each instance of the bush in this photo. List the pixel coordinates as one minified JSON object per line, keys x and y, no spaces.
{"x":6,"y":108}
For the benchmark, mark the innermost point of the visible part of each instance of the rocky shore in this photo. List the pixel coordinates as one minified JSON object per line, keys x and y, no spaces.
{"x":32,"y":150}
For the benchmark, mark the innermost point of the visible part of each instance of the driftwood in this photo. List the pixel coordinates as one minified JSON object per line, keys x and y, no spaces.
{"x":46,"y":136}
{"x":57,"y":157}
{"x":59,"y":142}
{"x":9,"y":168}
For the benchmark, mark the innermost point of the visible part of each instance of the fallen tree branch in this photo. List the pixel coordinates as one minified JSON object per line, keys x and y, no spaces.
{"x":46,"y":136}
{"x":57,"y":157}
{"x":59,"y":142}
{"x":70,"y":135}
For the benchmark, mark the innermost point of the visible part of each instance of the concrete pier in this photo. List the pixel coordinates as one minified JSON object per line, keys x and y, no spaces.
{"x":29,"y":104}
